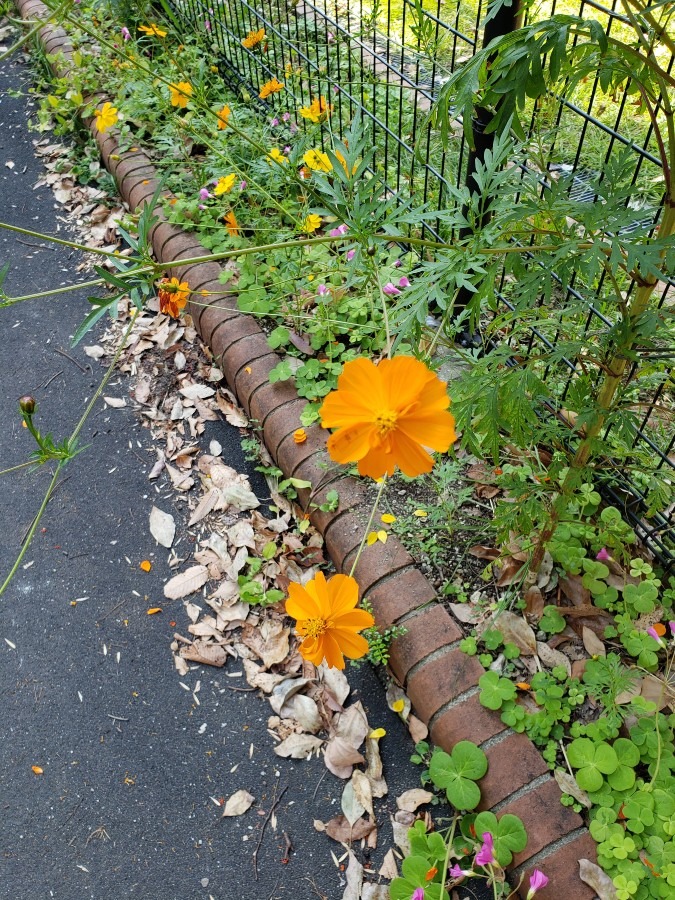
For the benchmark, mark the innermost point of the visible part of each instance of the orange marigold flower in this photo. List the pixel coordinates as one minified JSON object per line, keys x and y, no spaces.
{"x":223,"y":116}
{"x":173,"y":295}
{"x":180,"y":93}
{"x":270,"y":87}
{"x":387,"y":415}
{"x":253,"y":38}
{"x":317,"y":111}
{"x":231,"y":224}
{"x":328,"y":620}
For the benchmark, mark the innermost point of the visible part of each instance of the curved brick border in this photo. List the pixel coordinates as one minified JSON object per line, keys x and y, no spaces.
{"x":440,"y":680}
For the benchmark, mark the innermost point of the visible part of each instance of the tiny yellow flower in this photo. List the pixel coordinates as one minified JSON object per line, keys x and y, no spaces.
{"x":317,"y":111}
{"x":152,"y":30}
{"x":223,"y":116}
{"x":225,"y":184}
{"x":106,"y":117}
{"x":311,"y":223}
{"x":275,"y":155}
{"x":270,"y":87}
{"x":421,"y":513}
{"x":180,"y":93}
{"x":398,"y":706}
{"x":317,"y":160}
{"x":253,"y":38}
{"x":387,"y":518}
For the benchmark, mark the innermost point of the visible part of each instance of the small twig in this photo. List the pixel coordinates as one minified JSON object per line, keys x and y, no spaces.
{"x":68,"y":356}
{"x":275,"y":802}
{"x":117,"y":718}
{"x":49,"y":380}
{"x":240,"y":690}
{"x":110,"y":611}
{"x":72,"y":812}
{"x":318,"y":785}
{"x":37,"y":246}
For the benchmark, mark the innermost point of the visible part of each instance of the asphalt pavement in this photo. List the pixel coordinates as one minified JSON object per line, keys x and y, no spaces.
{"x":89,"y":692}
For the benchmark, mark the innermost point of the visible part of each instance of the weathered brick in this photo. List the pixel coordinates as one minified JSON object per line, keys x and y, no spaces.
{"x":513,"y":763}
{"x":280,"y":422}
{"x":465,"y":721}
{"x":426,"y":632}
{"x":343,"y":536}
{"x":440,"y":680}
{"x":379,"y":560}
{"x":402,"y":593}
{"x":561,"y":867}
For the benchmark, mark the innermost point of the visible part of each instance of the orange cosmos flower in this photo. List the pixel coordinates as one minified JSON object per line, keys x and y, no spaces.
{"x":328,"y":619}
{"x":223,"y":116}
{"x":270,"y":87}
{"x":387,"y":415}
{"x":317,"y":111}
{"x":173,"y":295}
{"x":253,"y":38}
{"x":231,"y":224}
{"x":180,"y":93}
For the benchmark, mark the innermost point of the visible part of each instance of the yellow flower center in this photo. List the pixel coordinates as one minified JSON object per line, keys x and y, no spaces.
{"x":314,"y":627}
{"x":385,"y":422}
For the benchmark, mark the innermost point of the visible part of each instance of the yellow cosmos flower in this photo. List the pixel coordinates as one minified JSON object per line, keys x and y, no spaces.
{"x":253,"y":38}
{"x":317,"y":111}
{"x":387,"y":415}
{"x":173,"y":295}
{"x":317,"y":160}
{"x":231,"y":224}
{"x":344,"y":163}
{"x":223,"y":116}
{"x":328,"y":620}
{"x":311,"y":223}
{"x":275,"y":155}
{"x":180,"y":93}
{"x":106,"y":117}
{"x":152,"y":30}
{"x":225,"y":184}
{"x":270,"y":87}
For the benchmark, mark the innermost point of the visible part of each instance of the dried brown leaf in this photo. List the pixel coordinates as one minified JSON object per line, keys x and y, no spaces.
{"x":515,"y":630}
{"x":298,"y":746}
{"x":594,"y":646}
{"x":205,"y":652}
{"x":594,"y":877}
{"x":340,"y":830}
{"x":341,"y":757}
{"x":411,"y":800}
{"x":185,"y":583}
{"x":568,"y":785}
{"x":238,"y":804}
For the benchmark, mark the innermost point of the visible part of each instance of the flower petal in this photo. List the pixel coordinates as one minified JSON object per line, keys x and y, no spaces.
{"x":352,"y":443}
{"x":301,"y":604}
{"x":344,"y":594}
{"x":354,"y":646}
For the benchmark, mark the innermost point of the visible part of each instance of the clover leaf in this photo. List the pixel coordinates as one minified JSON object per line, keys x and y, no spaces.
{"x":628,"y":756}
{"x":593,"y":760}
{"x":495,"y":690}
{"x":508,"y":833}
{"x":414,"y":870}
{"x":458,"y":772}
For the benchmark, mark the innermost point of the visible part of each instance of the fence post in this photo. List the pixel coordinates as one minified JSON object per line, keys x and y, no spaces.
{"x":508,"y":18}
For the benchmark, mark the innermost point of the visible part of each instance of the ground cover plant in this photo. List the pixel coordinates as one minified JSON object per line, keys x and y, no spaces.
{"x":319,"y":249}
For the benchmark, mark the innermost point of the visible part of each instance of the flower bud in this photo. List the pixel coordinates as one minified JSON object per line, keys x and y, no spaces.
{"x":27,"y":405}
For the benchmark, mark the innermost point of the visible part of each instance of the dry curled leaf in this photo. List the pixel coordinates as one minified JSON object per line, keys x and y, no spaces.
{"x":515,"y":630}
{"x":340,"y":830}
{"x":414,"y":798}
{"x":568,"y":785}
{"x":162,"y":527}
{"x":594,"y":646}
{"x":595,"y":878}
{"x":187,"y":582}
{"x":298,"y":746}
{"x":238,"y":804}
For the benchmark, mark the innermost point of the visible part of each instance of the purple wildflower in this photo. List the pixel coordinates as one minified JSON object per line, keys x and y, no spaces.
{"x":457,"y":872}
{"x":274,"y":122}
{"x":418,"y":894}
{"x":204,"y":194}
{"x":207,"y":25}
{"x":602,"y":555}
{"x":671,"y":625}
{"x":339,"y":231}
{"x":653,"y":633}
{"x":322,"y":290}
{"x":390,"y":289}
{"x":537,"y":881}
{"x":397,"y":264}
{"x":242,"y":185}
{"x":485,"y":856}
{"x":403,"y":282}
{"x":126,"y":34}
{"x":350,"y":255}
{"x":286,"y":116}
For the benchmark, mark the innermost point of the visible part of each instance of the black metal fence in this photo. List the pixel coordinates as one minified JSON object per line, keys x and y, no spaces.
{"x":387,"y":59}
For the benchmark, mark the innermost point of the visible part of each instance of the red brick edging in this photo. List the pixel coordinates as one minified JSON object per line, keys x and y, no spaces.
{"x":440,"y":680}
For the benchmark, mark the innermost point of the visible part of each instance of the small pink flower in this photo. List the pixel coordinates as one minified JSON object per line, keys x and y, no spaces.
{"x":403,"y":282}
{"x":602,"y":555}
{"x":340,"y":231}
{"x":485,"y":856}
{"x":242,"y":185}
{"x":204,"y":194}
{"x":293,"y":128}
{"x":274,"y":122}
{"x":286,"y":117}
{"x":331,"y":37}
{"x":350,"y":255}
{"x":418,"y":894}
{"x":537,"y":881}
{"x":336,"y":89}
{"x":390,"y":289}
{"x":126,"y":34}
{"x":457,"y":872}
{"x":398,"y":264}
{"x":287,"y":149}
{"x":201,"y":206}
{"x":653,"y":633}
{"x":322,"y":290}
{"x":207,"y":25}
{"x":671,"y":625}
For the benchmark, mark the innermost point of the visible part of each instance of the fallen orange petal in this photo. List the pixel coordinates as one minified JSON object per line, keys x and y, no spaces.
{"x":37,"y":769}
{"x":522,"y":685}
{"x":146,"y":565}
{"x":660,"y":629}
{"x":153,"y":610}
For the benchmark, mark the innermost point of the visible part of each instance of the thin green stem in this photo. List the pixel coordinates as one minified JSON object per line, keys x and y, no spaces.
{"x":31,"y":532}
{"x":369,"y":525}
{"x":54,"y":240}
{"x":22,"y":465}
{"x":29,"y":34}
{"x":448,"y":848}
{"x":385,"y":313}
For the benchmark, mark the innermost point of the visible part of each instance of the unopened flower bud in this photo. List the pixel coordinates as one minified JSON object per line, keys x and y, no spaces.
{"x":27,"y":405}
